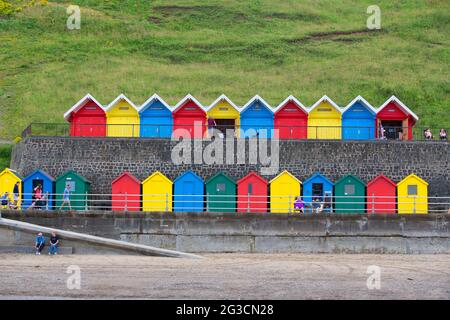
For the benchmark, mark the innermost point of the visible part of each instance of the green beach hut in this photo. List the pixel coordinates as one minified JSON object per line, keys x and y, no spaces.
{"x":221,"y":193}
{"x":79,"y":188}
{"x":350,"y":193}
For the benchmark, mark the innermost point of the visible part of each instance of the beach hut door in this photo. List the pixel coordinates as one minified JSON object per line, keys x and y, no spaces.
{"x":37,"y":182}
{"x":317,"y":189}
{"x":188,"y":190}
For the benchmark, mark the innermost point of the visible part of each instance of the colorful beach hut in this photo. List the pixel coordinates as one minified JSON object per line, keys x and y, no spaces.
{"x":381,"y":195}
{"x":122,"y":118}
{"x":87,"y":118}
{"x":291,"y":119}
{"x":257,"y":119}
{"x":359,"y":120}
{"x":225,"y":114}
{"x":126,"y":193}
{"x":252,"y":193}
{"x":189,"y":116}
{"x":189,"y":193}
{"x":350,"y":195}
{"x":221,"y":193}
{"x":156,"y":119}
{"x":284,"y":190}
{"x":8,"y":179}
{"x":412,"y":195}
{"x":396,"y":119}
{"x":325,"y":120}
{"x":157,"y":193}
{"x":79,"y":189}
{"x":46,"y":181}
{"x":318,"y":187}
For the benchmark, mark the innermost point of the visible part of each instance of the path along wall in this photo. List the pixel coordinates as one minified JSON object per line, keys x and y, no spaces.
{"x":101,"y":160}
{"x":262,"y":233}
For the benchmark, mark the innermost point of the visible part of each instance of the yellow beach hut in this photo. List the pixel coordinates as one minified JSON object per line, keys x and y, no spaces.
{"x":8,"y":178}
{"x":412,"y":195}
{"x":157,"y":193}
{"x":324,"y":120}
{"x":284,"y":189}
{"x":122,"y":118}
{"x":225,"y":113}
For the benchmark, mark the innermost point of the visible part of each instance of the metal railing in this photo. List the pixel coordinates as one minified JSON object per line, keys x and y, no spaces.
{"x":243,"y":131}
{"x":233,"y":203}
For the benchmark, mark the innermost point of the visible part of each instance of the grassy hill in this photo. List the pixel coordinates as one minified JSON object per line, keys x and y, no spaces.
{"x":240,"y":48}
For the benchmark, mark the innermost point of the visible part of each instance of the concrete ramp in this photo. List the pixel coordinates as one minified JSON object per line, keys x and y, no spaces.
{"x":94,"y":240}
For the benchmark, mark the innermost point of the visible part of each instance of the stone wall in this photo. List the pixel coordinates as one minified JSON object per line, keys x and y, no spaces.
{"x":101,"y":160}
{"x":261,"y":233}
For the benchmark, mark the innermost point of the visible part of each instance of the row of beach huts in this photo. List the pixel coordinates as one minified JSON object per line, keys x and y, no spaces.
{"x":220,"y":193}
{"x":359,"y":120}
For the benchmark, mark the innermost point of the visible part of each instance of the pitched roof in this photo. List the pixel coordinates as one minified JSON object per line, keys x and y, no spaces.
{"x":317,"y":175}
{"x":293,"y":99}
{"x":350,"y":176}
{"x":256,"y":98}
{"x":45,"y":174}
{"x":282,"y":173}
{"x":155,"y":174}
{"x":188,"y":172}
{"x":220,"y":174}
{"x":13,"y":172}
{"x":222,"y":98}
{"x":325,"y":98}
{"x":77,"y":106}
{"x":186,"y":99}
{"x":252,"y":174}
{"x":128,"y":174}
{"x":381,"y":176}
{"x":412,"y":175}
{"x":119,"y":98}
{"x":150,"y":100}
{"x":75,"y":173}
{"x":400,"y":104}
{"x":363,"y":101}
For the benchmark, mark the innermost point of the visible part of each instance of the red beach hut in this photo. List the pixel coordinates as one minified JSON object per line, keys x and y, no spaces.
{"x":291,"y":119}
{"x":396,"y":119}
{"x":190,"y":115}
{"x":252,"y":193}
{"x":126,"y":193}
{"x":87,"y":118}
{"x":381,"y":195}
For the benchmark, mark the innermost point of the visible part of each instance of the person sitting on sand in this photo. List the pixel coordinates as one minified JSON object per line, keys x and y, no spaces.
{"x":40,"y":243}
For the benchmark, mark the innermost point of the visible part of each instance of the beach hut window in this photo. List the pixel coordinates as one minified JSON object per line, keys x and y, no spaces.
{"x":317,"y":189}
{"x":124,"y":108}
{"x":349,"y":189}
{"x":412,"y":190}
{"x":250,"y":188}
{"x":72,"y":185}
{"x":90,"y":108}
{"x":220,"y":187}
{"x":324,"y":109}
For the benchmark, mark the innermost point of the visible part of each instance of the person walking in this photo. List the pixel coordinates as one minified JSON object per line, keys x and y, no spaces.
{"x":40,"y":243}
{"x":54,"y":242}
{"x":66,"y":197}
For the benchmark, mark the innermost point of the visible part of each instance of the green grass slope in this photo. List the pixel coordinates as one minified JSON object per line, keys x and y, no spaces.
{"x":240,"y":48}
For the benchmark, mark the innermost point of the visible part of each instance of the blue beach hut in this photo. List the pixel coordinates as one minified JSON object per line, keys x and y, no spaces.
{"x":257,"y":118}
{"x":318,"y":186}
{"x":189,"y":192}
{"x":32,"y":181}
{"x":358,"y":120}
{"x":156,"y":118}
